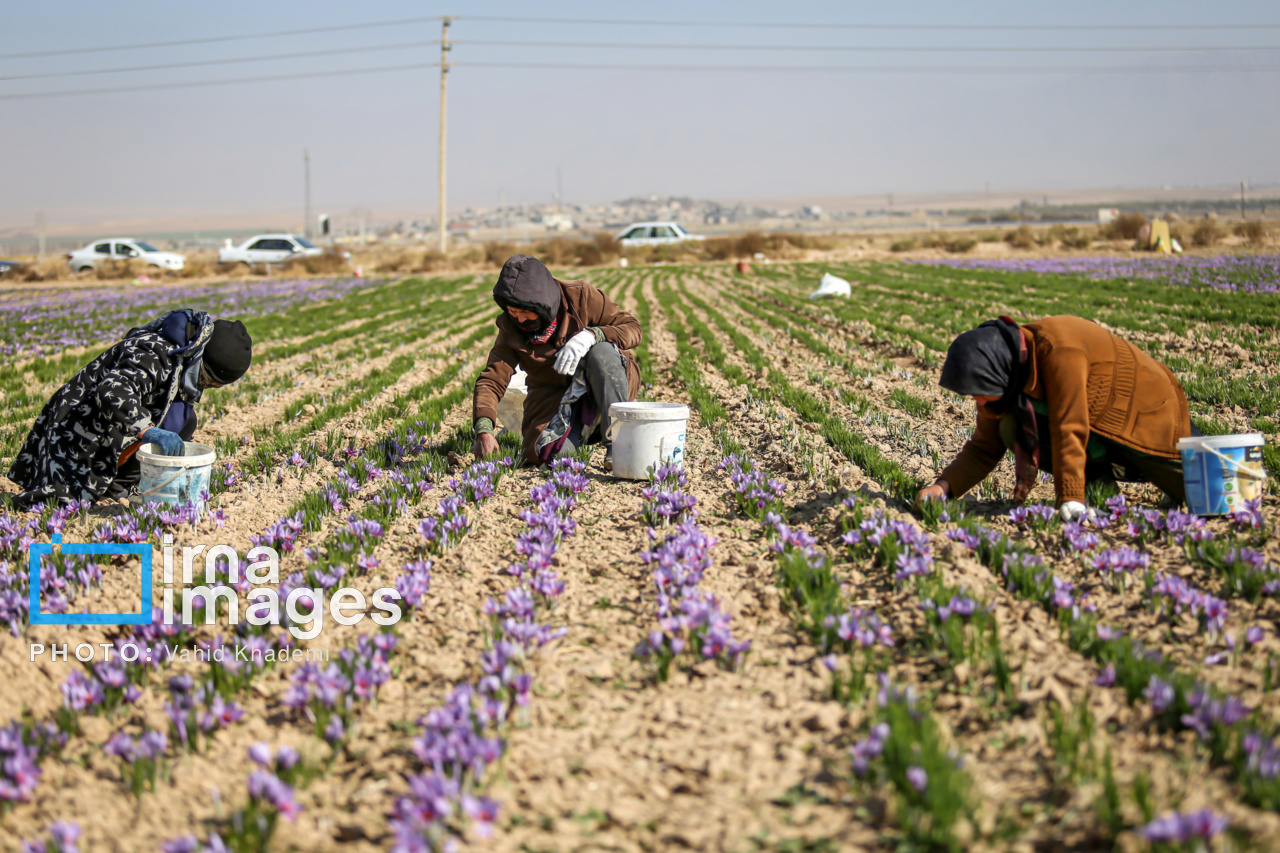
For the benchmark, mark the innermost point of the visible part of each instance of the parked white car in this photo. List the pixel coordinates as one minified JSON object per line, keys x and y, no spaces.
{"x":124,"y":249}
{"x":654,"y":234}
{"x":268,"y":249}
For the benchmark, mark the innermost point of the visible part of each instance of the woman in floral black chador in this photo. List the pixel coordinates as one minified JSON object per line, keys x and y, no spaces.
{"x":143,"y":389}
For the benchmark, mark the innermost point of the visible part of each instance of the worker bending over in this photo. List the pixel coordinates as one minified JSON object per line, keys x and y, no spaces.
{"x":1067,"y":397}
{"x":143,"y":389}
{"x":576,"y":346}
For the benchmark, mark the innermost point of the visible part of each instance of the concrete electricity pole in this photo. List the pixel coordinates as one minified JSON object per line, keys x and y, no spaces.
{"x":444,"y":73}
{"x":40,"y":237}
{"x":502,"y":208}
{"x":306,"y":213}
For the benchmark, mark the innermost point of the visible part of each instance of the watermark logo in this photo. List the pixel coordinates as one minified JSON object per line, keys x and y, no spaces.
{"x":299,"y":608}
{"x":39,"y":551}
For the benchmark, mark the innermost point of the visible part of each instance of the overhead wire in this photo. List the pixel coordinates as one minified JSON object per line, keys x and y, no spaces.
{"x":777,"y":25}
{"x":791,"y":25}
{"x":859,"y":48}
{"x":232,"y":61}
{"x":216,"y":39}
{"x":808,"y":69}
{"x":239,"y":60}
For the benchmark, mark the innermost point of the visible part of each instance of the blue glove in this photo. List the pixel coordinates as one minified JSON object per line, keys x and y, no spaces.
{"x":170,"y":443}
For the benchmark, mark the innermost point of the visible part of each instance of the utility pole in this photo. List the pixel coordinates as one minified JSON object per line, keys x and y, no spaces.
{"x":1242,"y":200}
{"x":444,"y":73}
{"x":502,"y":207}
{"x":559,"y":193}
{"x":986,"y":203}
{"x":306,"y":213}
{"x":40,"y":237}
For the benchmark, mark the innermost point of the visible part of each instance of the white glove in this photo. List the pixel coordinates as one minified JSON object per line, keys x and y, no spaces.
{"x":1073,"y":510}
{"x":573,"y":351}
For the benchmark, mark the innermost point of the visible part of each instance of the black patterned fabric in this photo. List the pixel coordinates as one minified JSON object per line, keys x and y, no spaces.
{"x":75,"y":444}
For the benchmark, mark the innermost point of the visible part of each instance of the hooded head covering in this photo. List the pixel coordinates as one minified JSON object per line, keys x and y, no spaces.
{"x":992,"y":361}
{"x":527,"y":284}
{"x":229,"y":351}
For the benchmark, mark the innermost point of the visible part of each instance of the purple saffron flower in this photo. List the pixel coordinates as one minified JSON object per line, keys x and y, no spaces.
{"x":260,"y":754}
{"x":918,"y":778}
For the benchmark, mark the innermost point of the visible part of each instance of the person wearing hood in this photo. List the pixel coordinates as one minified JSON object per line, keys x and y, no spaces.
{"x":142,"y":390}
{"x":1067,"y":397}
{"x":574,"y":343}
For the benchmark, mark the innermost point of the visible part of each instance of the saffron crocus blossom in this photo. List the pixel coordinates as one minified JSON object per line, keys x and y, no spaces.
{"x":1178,"y":828}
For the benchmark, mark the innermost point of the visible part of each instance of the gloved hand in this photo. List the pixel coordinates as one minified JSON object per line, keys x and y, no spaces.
{"x":170,"y":443}
{"x":1073,"y":510}
{"x":573,"y":351}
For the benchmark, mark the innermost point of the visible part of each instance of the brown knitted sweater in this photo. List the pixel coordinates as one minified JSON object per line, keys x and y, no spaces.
{"x":1090,"y":381}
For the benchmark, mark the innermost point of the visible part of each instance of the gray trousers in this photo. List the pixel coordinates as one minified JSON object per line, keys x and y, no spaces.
{"x":606,"y":373}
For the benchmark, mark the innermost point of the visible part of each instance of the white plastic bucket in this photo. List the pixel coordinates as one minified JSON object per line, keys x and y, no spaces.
{"x":174,"y":480}
{"x":1221,"y":472}
{"x":646,"y":435}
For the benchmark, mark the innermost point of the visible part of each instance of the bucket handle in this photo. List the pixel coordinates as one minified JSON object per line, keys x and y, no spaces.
{"x":1251,"y":473}
{"x":177,"y":472}
{"x":609,"y":433}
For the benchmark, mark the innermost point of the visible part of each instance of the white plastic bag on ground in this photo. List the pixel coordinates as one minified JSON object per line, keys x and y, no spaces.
{"x":511,"y":406}
{"x":831,"y":286}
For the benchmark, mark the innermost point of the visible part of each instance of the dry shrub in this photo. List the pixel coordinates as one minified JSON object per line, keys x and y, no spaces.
{"x":496,"y":252}
{"x":1075,"y":238}
{"x":556,"y":252}
{"x":195,"y":268}
{"x":902,"y":245}
{"x":720,"y":248}
{"x":50,"y":269}
{"x":113,"y":269}
{"x":410,"y":260}
{"x":960,"y":245}
{"x":330,"y":261}
{"x":1205,"y":233}
{"x":1125,"y":226}
{"x":1022,"y":238}
{"x":1254,"y":232}
{"x":751,"y":244}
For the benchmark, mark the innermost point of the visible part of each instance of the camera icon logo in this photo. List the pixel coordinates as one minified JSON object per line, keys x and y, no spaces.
{"x":40,"y":550}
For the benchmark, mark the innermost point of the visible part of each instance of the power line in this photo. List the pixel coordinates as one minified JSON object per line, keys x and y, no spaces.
{"x":851,"y":48}
{"x":624,"y":22}
{"x":809,"y":69}
{"x":881,"y":69}
{"x":613,"y":45}
{"x":233,"y":61}
{"x":215,"y":39}
{"x":307,"y":75}
{"x":846,"y":26}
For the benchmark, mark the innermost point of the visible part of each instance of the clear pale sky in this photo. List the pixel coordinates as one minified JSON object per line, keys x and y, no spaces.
{"x":728,"y":134}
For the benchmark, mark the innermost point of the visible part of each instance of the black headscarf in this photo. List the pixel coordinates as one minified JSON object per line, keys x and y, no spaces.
{"x":992,"y":361}
{"x":987,"y":361}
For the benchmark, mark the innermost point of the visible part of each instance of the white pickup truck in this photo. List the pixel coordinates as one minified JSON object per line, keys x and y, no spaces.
{"x":268,"y":249}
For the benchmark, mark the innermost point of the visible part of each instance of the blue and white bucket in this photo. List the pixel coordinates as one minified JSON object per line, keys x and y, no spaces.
{"x":1221,"y":472}
{"x":174,"y":480}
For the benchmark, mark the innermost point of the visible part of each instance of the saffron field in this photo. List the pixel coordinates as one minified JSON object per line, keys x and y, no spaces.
{"x":768,"y":650}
